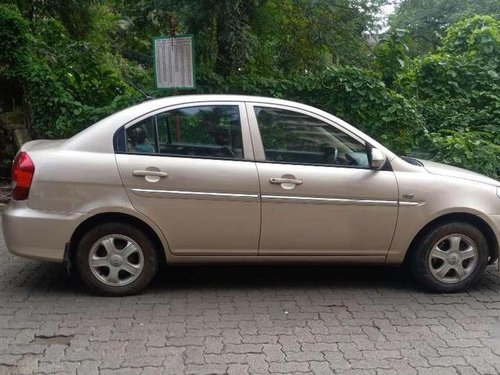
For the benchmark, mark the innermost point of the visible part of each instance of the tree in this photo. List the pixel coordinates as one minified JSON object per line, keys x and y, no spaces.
{"x":298,"y":36}
{"x":75,"y":15}
{"x":427,"y":20}
{"x":271,"y":37}
{"x":222,"y":29}
{"x":392,"y":54}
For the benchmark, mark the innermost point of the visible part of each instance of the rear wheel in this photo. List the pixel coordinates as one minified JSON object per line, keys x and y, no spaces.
{"x":450,"y":257}
{"x":116,"y":259}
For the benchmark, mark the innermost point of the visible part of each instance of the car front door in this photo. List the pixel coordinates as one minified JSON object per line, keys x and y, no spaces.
{"x":190,"y":169}
{"x":319,"y":195}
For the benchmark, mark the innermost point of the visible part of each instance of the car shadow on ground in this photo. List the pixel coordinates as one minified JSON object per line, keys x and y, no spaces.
{"x":35,"y":277}
{"x":267,"y":276}
{"x":51,"y":277}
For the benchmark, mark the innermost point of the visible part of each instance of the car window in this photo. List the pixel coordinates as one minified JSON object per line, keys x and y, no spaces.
{"x":204,"y":131}
{"x":293,"y":137}
{"x":141,"y":138}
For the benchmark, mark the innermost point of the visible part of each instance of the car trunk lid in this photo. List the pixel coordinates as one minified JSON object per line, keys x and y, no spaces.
{"x":42,"y":144}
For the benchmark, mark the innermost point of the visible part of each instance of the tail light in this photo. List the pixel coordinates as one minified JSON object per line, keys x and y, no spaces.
{"x":22,"y":174}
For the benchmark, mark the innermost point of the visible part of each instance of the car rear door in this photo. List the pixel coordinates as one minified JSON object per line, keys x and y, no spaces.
{"x":319,"y":196}
{"x":190,"y":169}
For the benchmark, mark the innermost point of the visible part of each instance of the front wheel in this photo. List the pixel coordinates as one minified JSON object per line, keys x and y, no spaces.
{"x":450,"y":257}
{"x":116,"y":259}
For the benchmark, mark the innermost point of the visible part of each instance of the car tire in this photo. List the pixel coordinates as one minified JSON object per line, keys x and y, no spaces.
{"x":116,"y":259}
{"x":450,"y":257}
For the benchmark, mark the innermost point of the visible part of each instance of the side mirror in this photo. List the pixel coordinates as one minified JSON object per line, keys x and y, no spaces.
{"x":377,"y":158}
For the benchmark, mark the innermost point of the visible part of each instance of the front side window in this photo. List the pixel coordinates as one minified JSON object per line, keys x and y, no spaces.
{"x":293,"y":137}
{"x":203,"y":131}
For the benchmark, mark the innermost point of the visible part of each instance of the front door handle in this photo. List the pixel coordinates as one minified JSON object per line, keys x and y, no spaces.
{"x":282,"y":180}
{"x":146,"y":173}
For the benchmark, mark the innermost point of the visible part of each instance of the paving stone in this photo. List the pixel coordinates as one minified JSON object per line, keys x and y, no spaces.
{"x":320,"y":368}
{"x":304,"y":356}
{"x":244,"y":348}
{"x":437,"y":371}
{"x":256,"y":320}
{"x":237,"y":369}
{"x":207,"y":369}
{"x":289,"y":367}
{"x":225,"y":358}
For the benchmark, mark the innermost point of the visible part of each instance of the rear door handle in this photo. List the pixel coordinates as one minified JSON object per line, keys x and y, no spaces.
{"x":145,"y":173}
{"x":281,"y":180}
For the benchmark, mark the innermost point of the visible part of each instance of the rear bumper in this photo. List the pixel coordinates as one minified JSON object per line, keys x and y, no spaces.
{"x":37,"y":234}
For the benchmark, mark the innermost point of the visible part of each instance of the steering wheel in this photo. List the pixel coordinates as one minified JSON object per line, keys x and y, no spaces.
{"x":335,"y":155}
{"x":331,"y":155}
{"x":227,"y":152}
{"x":350,"y":160}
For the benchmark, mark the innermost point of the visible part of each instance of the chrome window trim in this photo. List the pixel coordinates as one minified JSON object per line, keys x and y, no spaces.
{"x":169,"y":108}
{"x":317,"y":165}
{"x":247,"y":144}
{"x":317,"y":116}
{"x":184,"y":156}
{"x":258,"y":145}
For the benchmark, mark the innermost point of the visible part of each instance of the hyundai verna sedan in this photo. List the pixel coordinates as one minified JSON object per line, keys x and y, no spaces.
{"x":195,"y":179}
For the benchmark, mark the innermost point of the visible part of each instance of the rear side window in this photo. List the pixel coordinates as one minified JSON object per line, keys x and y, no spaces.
{"x":141,"y":138}
{"x":203,"y":131}
{"x":294,"y":137}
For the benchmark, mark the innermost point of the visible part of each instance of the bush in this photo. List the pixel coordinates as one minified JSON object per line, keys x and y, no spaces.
{"x":13,"y":38}
{"x":457,"y":89}
{"x":474,"y":150}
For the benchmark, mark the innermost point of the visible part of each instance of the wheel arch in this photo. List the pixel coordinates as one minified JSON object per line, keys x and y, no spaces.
{"x":119,"y":217}
{"x":478,"y":222}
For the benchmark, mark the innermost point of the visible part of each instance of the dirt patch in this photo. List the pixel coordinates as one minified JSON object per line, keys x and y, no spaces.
{"x":52,"y":340}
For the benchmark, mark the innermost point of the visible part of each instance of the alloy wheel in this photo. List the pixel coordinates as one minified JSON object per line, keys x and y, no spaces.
{"x":116,"y":260}
{"x":453,"y":258}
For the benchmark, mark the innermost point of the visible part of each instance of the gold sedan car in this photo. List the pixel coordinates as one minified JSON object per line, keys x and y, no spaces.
{"x":195,"y":179}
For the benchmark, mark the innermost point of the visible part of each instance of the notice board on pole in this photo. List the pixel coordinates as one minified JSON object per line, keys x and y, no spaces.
{"x":174,"y":62}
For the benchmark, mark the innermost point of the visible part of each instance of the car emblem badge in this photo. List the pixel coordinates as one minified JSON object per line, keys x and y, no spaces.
{"x":116,"y":260}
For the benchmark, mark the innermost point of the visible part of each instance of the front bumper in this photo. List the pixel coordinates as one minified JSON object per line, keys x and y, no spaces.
{"x":37,"y":234}
{"x":495,"y":224}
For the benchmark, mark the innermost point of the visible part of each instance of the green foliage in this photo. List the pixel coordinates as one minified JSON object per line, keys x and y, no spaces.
{"x":72,"y":63}
{"x":13,"y":37}
{"x":64,"y":81}
{"x":297,"y":36}
{"x":392,"y":54}
{"x":458,"y":91}
{"x":350,"y":93}
{"x":75,"y":15}
{"x":427,"y":20}
{"x":226,"y":25}
{"x":474,"y":150}
{"x":263,"y":37}
{"x":478,"y":37}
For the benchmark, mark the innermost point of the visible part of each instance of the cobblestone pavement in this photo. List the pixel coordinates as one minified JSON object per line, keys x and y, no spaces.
{"x":5,"y":188}
{"x":236,"y":320}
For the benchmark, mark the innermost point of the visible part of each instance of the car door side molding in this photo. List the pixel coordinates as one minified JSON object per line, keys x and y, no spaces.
{"x":180,"y":194}
{"x":334,"y":201}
